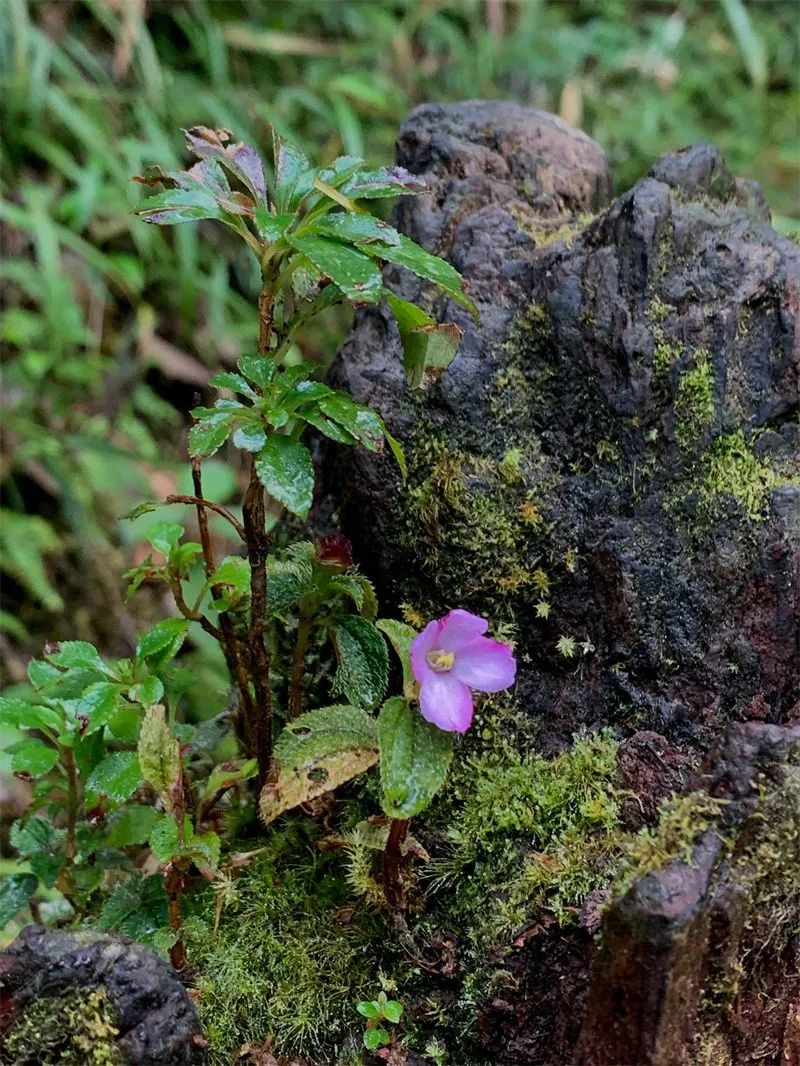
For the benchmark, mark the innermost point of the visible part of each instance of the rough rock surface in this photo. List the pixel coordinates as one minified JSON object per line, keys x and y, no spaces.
{"x":612,"y":456}
{"x":156,"y":1020}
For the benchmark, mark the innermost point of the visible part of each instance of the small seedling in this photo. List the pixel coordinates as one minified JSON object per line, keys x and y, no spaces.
{"x":377,"y":1011}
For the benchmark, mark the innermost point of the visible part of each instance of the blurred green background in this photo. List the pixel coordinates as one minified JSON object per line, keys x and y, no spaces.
{"x":109,"y":327}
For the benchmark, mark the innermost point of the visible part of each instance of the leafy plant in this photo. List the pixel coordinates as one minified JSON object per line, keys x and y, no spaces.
{"x":377,"y":1011}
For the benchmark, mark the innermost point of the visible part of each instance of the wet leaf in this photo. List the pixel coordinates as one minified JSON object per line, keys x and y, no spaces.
{"x":285,"y":470}
{"x":117,"y":776}
{"x":363,"y":661}
{"x":350,"y":270}
{"x":415,"y":758}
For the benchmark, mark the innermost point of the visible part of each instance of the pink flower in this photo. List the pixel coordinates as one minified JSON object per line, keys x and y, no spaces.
{"x":452,"y":656}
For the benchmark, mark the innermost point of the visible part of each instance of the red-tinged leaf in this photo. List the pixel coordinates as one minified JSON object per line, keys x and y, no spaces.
{"x":242,"y":160}
{"x":387,"y":181}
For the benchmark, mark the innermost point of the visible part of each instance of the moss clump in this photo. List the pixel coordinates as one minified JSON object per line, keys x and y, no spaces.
{"x":694,"y":401}
{"x":290,"y":956}
{"x":731,"y":468}
{"x":526,"y":834}
{"x":681,"y":821}
{"x":75,"y":1027}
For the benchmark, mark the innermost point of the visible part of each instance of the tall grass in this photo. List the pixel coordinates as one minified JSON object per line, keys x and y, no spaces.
{"x":109,"y":326}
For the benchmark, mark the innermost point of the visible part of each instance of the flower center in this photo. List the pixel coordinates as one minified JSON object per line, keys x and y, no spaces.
{"x":440,"y":661}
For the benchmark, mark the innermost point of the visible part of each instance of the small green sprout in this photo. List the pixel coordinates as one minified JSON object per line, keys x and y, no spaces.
{"x":377,"y":1011}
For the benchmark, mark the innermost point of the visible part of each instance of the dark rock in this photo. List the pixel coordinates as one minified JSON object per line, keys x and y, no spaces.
{"x":650,"y":769}
{"x":689,"y":941}
{"x":618,"y":437}
{"x":156,"y":1019}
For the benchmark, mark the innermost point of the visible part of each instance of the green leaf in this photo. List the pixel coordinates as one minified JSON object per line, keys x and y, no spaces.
{"x":382,"y":183}
{"x":227,"y":775}
{"x":41,"y":674}
{"x":204,"y":850}
{"x":32,"y":756}
{"x":350,"y":270}
{"x":136,"y":907}
{"x":76,"y":654}
{"x":130,"y":825}
{"x":363,"y":662}
{"x":401,"y":636}
{"x":97,"y":705}
{"x":393,"y":1011}
{"x":330,"y":429}
{"x":368,"y":1008}
{"x":159,"y":756}
{"x":16,"y":891}
{"x":290,"y":164}
{"x":415,"y":758}
{"x":234,"y":571}
{"x":147,"y":692}
{"x":260,"y":369}
{"x":180,"y":205}
{"x":163,"y":642}
{"x":164,"y":536}
{"x":290,"y":577}
{"x":375,"y":1038}
{"x":285,"y":469}
{"x":316,"y":753}
{"x":271,"y":227}
{"x":207,"y":437}
{"x":427,"y":266}
{"x":234,"y":382}
{"x":117,"y":776}
{"x":250,"y":438}
{"x":22,"y":715}
{"x":164,"y":838}
{"x":361,"y":422}
{"x":428,"y":348}
{"x":356,"y":228}
{"x":396,"y":448}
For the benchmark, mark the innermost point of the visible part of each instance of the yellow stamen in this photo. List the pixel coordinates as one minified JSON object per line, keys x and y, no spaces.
{"x":440,"y":661}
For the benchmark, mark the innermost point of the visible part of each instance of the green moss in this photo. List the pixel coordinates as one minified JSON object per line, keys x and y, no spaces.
{"x":291,"y":955}
{"x":694,"y":400}
{"x":730,"y":468}
{"x":681,"y":820}
{"x":74,"y":1027}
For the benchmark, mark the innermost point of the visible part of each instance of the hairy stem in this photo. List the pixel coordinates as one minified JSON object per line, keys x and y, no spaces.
{"x":392,"y":882}
{"x":304,"y":627}
{"x":198,"y":502}
{"x":173,"y":885}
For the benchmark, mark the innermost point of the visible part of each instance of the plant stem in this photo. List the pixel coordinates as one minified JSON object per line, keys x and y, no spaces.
{"x":198,"y":502}
{"x":392,"y":883}
{"x":173,"y":885}
{"x":65,"y":883}
{"x":254,"y":516}
{"x":304,"y":626}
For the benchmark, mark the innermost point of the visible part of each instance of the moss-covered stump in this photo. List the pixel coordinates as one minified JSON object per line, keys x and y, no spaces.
{"x":609,"y":468}
{"x":93,"y":1000}
{"x":700,"y":959}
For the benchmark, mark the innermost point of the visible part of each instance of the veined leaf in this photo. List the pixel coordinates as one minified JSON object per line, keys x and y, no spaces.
{"x":382,"y":183}
{"x":16,"y":890}
{"x":415,"y":758}
{"x":164,"y":536}
{"x":130,"y":825}
{"x":78,"y":654}
{"x":326,"y":426}
{"x":316,"y":753}
{"x":290,"y":164}
{"x":97,"y":706}
{"x":234,"y":382}
{"x":355,"y":228}
{"x":163,"y":642}
{"x":208,"y":436}
{"x":164,"y":837}
{"x":23,"y":715}
{"x":363,"y":662}
{"x":290,"y":577}
{"x":271,"y":227}
{"x":260,"y":369}
{"x":428,"y":347}
{"x":117,"y":776}
{"x":249,"y":438}
{"x":32,"y":756}
{"x":240,"y":159}
{"x":427,"y":266}
{"x":285,"y":470}
{"x":362,"y":422}
{"x":350,"y":270}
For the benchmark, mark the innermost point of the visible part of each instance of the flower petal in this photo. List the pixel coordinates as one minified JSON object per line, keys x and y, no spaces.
{"x":420,"y":646}
{"x":446,"y":702}
{"x":459,"y":628}
{"x":485,"y":665}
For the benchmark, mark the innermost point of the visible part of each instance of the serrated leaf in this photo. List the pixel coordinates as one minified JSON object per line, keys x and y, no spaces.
{"x":164,"y":838}
{"x":315,"y":754}
{"x":400,"y":636}
{"x":136,"y":907}
{"x":260,"y":369}
{"x":363,"y":662}
{"x":250,"y":438}
{"x":163,"y":642}
{"x":180,"y":205}
{"x":130,"y":825}
{"x":330,"y":429}
{"x":426,"y":266}
{"x":42,"y":674}
{"x":361,"y":422}
{"x":32,"y":756}
{"x":356,"y":228}
{"x":77,"y":654}
{"x":290,"y":577}
{"x":350,"y":270}
{"x":415,"y":758}
{"x":204,"y":850}
{"x":164,"y":536}
{"x":428,"y":347}
{"x":97,"y":706}
{"x":234,"y":382}
{"x":382,"y":183}
{"x":240,"y":159}
{"x":16,"y":890}
{"x":207,"y":437}
{"x":22,"y":715}
{"x":285,"y":470}
{"x":233,"y":570}
{"x":159,"y":756}
{"x":147,"y":692}
{"x":117,"y":776}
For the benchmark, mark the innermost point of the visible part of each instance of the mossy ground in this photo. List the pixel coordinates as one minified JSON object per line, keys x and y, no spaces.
{"x":73,"y":1028}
